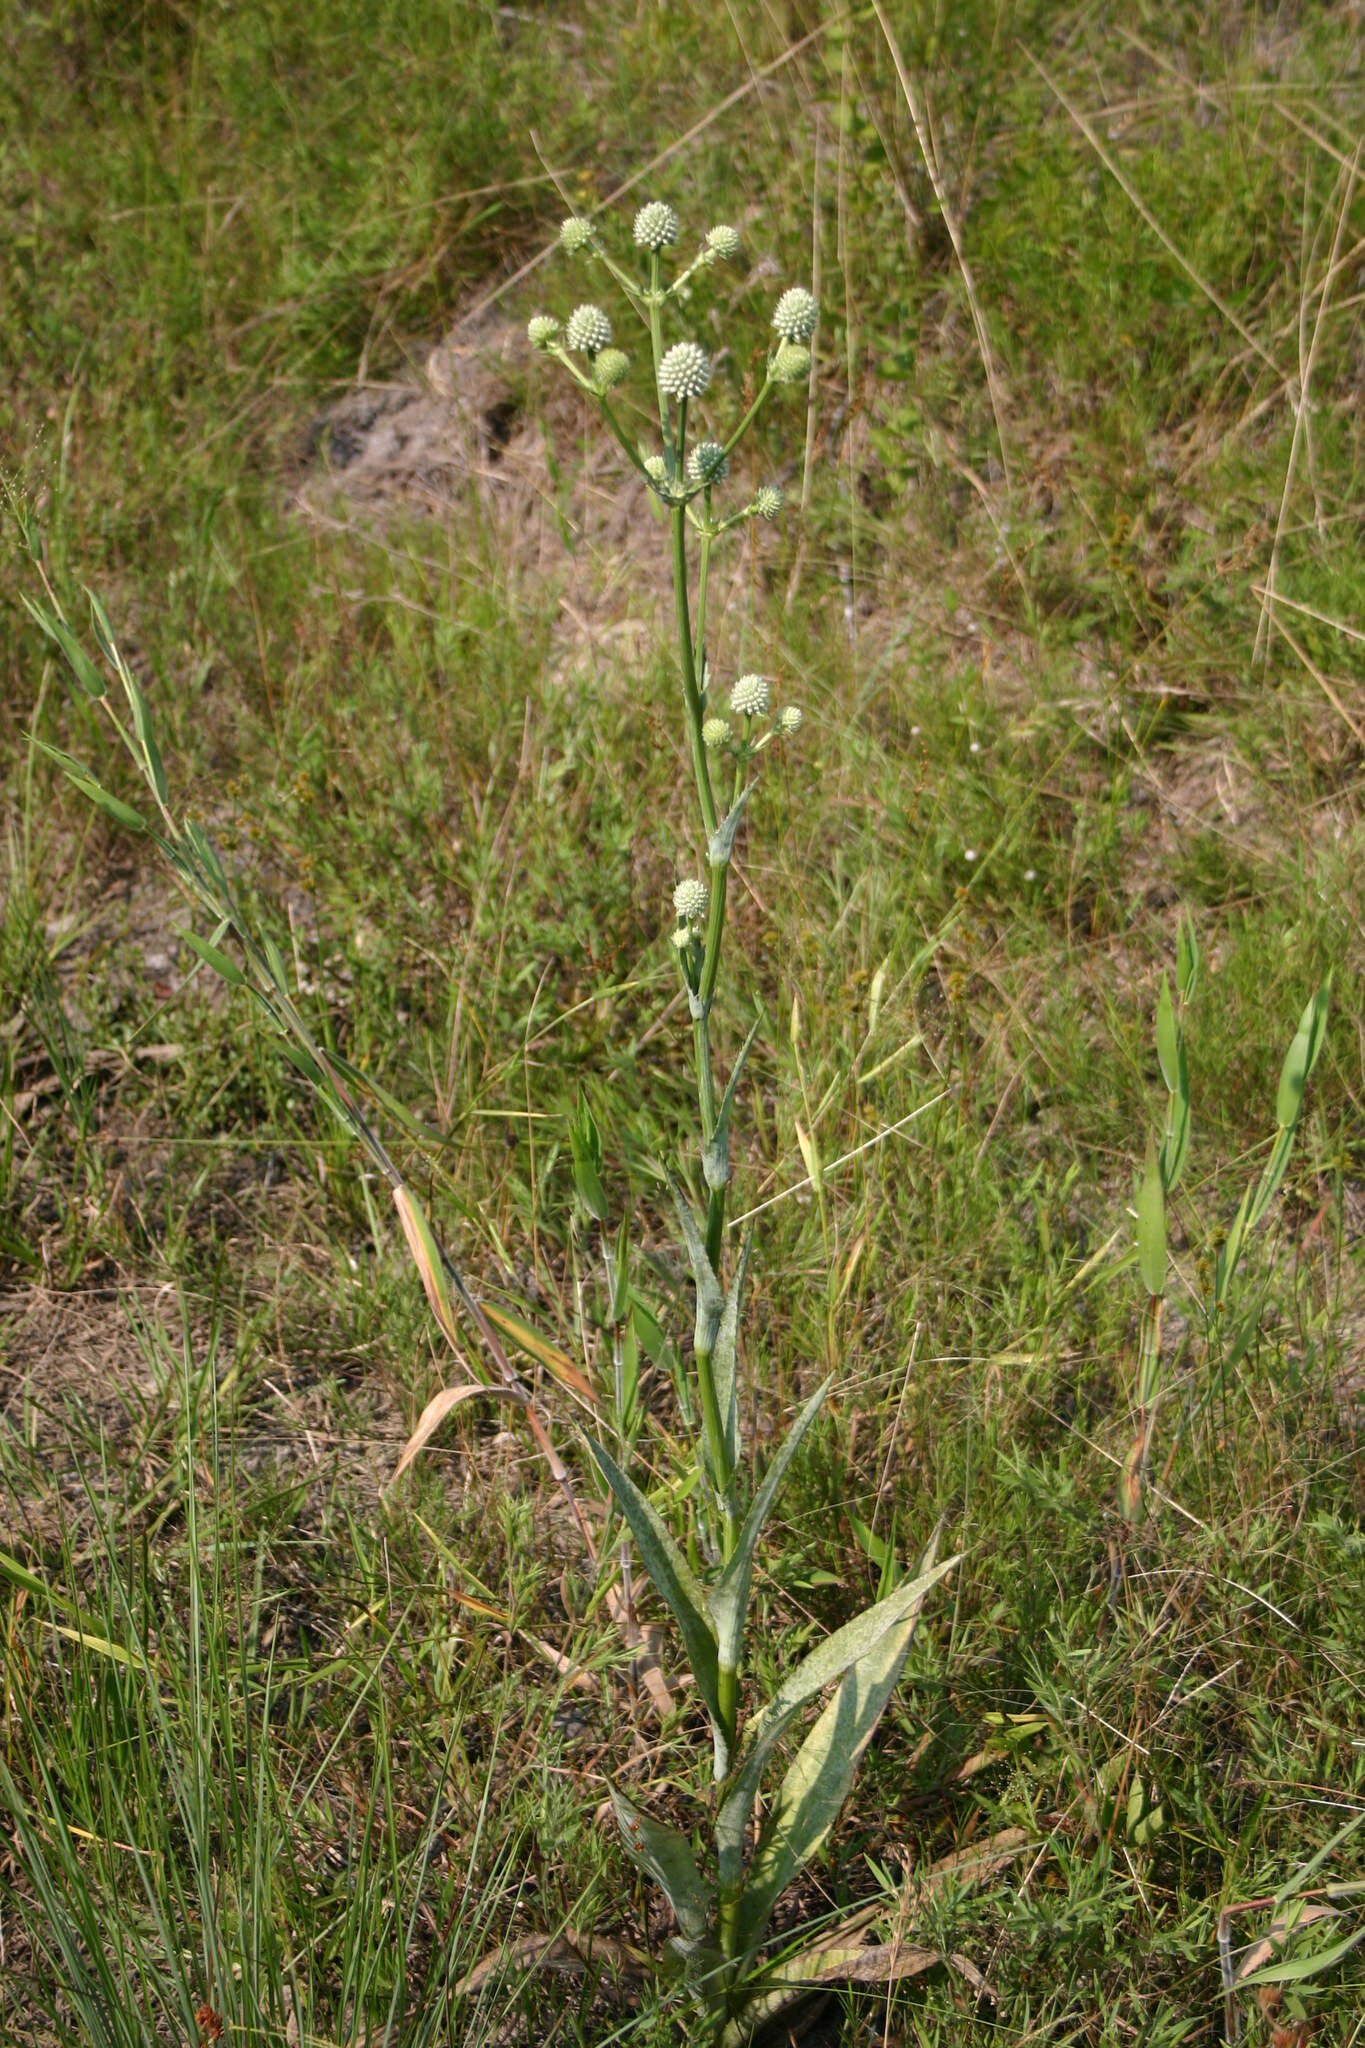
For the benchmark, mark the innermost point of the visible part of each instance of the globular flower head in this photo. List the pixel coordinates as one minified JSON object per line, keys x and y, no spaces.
{"x":576,"y":233}
{"x":685,"y":371}
{"x":708,"y":463}
{"x":791,"y":364}
{"x":768,"y":500}
{"x":715,"y":732}
{"x":690,"y":900}
{"x":542,"y":330}
{"x":723,"y":242}
{"x":609,"y":368}
{"x":790,"y":719}
{"x":588,"y":329}
{"x":796,"y":315}
{"x":750,"y":697}
{"x":656,"y":226}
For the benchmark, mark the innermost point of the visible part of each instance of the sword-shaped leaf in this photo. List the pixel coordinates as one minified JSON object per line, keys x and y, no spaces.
{"x":673,"y":1578}
{"x":76,"y":773}
{"x":722,"y":841}
{"x":729,"y":1598}
{"x":1151,"y":1225}
{"x":818,"y":1782}
{"x":723,"y":1358}
{"x":715,"y":1157}
{"x":88,"y":678}
{"x":829,"y":1661}
{"x":666,"y":1856}
{"x":710,"y":1300}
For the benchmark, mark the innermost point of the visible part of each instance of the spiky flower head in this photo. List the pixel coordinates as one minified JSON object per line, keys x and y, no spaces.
{"x":715,"y":732}
{"x":656,"y":469}
{"x":723,"y":242}
{"x":576,"y":233}
{"x":685,"y":371}
{"x":796,"y":315}
{"x":542,"y":330}
{"x":750,"y":697}
{"x":656,"y":226}
{"x":708,"y":463}
{"x":689,"y":900}
{"x":768,"y":500}
{"x":790,"y":719}
{"x":609,"y":368}
{"x":588,"y":329}
{"x":791,"y":364}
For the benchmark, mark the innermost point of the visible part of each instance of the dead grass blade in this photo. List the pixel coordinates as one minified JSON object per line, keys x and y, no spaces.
{"x":443,"y":1404}
{"x":567,"y":1954}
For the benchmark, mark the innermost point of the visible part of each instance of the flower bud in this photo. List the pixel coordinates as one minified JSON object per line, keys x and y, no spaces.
{"x":790,"y":719}
{"x":685,"y":371}
{"x":723,"y":242}
{"x":542,"y":330}
{"x":791,"y":364}
{"x":588,"y":330}
{"x":576,"y":233}
{"x":715,"y":732}
{"x":768,"y":500}
{"x":690,"y":900}
{"x":796,"y":315}
{"x":708,"y":463}
{"x":609,"y":368}
{"x":656,"y":226}
{"x":750,"y":697}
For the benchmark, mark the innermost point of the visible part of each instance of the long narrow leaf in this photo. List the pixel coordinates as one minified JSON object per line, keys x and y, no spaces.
{"x":715,"y":1158}
{"x":828,"y":1662}
{"x":710,"y":1299}
{"x":88,"y":678}
{"x":673,"y":1578}
{"x":729,"y":1598}
{"x":723,"y":1358}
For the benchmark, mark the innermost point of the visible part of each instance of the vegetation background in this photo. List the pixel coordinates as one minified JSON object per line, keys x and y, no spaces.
{"x":1073,"y":605}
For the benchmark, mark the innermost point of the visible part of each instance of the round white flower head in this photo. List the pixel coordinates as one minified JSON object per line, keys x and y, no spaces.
{"x":689,"y":900}
{"x":685,"y":371}
{"x":588,"y":329}
{"x":576,"y":233}
{"x":708,"y":463}
{"x":656,"y":226}
{"x":750,"y":697}
{"x":796,"y":315}
{"x":715,"y":732}
{"x":791,"y":364}
{"x":542,"y":330}
{"x":656,"y":469}
{"x":790,"y":719}
{"x":723,"y":242}
{"x":682,"y":938}
{"x":609,"y":368}
{"x":768,"y":500}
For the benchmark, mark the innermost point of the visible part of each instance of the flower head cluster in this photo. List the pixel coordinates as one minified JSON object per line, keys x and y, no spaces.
{"x":542,"y":330}
{"x":796,"y":315}
{"x":689,"y":901}
{"x":685,"y":371}
{"x":790,"y":719}
{"x":609,"y":368}
{"x":715,"y":732}
{"x":791,"y":364}
{"x":588,"y":329}
{"x":750,"y":697}
{"x":576,"y":233}
{"x":722,"y":243}
{"x":708,"y":463}
{"x":768,"y":500}
{"x":656,"y":226}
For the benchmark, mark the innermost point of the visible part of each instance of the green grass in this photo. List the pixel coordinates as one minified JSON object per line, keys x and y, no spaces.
{"x":340,"y":1784}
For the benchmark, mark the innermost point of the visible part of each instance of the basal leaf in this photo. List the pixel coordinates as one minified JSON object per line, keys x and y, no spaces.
{"x":666,"y":1855}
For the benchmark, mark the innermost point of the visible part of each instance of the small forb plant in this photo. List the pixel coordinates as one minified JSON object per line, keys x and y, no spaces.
{"x":722,"y":1902}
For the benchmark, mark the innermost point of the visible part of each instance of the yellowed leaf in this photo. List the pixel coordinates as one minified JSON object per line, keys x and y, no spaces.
{"x":443,"y":1404}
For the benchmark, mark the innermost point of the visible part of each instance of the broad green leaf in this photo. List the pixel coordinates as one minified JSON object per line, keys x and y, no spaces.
{"x":672,"y":1576}
{"x":80,"y":776}
{"x":585,"y":1143}
{"x":722,"y":841}
{"x":1151,"y":1226}
{"x":827,"y":1662}
{"x":211,"y":957}
{"x":88,"y":678}
{"x":1167,"y":1039}
{"x":729,"y":1597}
{"x":819,"y":1779}
{"x":710,"y":1300}
{"x":715,"y":1157}
{"x":1301,"y":1059}
{"x":667,"y":1857}
{"x":723,"y":1366}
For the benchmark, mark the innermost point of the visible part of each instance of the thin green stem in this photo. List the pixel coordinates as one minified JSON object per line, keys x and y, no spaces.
{"x":765,"y":391}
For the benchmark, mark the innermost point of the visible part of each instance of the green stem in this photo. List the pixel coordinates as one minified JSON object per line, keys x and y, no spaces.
{"x":750,"y":416}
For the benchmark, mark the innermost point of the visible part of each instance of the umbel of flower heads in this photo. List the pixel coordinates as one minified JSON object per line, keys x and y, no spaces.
{"x":665,"y":415}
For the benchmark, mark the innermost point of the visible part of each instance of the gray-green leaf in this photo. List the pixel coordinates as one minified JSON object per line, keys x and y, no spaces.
{"x":667,"y":1857}
{"x":710,"y":1299}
